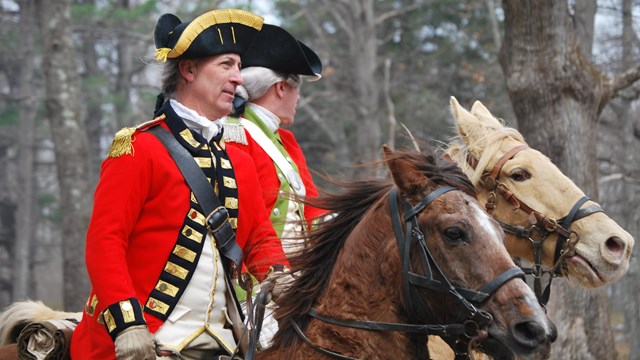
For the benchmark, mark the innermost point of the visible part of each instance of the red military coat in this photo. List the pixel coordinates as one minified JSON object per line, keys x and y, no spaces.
{"x":140,"y":205}
{"x":269,"y":180}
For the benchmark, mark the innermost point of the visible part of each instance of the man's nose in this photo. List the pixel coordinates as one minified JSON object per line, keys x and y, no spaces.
{"x":236,"y":77}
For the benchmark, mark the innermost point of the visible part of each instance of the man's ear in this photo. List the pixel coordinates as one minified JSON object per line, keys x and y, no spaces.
{"x":280,"y":88}
{"x":187,"y":69}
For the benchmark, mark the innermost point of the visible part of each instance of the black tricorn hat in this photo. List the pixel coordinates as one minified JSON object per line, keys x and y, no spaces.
{"x":276,"y":49}
{"x":212,"y":33}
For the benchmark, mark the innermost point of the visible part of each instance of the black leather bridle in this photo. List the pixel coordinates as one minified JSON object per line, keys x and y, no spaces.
{"x":473,"y":320}
{"x":541,"y":226}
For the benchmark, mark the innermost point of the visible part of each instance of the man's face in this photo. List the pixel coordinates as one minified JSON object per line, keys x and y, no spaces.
{"x":211,"y":84}
{"x":291,"y":95}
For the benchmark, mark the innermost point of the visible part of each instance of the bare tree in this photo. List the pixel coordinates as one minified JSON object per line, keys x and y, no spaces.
{"x":25,"y":219}
{"x":70,"y":140}
{"x":618,"y":149}
{"x":558,"y":94}
{"x":356,"y":20}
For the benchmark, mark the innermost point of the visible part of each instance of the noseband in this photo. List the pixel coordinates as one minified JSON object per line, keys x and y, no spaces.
{"x":473,"y":320}
{"x":541,"y":225}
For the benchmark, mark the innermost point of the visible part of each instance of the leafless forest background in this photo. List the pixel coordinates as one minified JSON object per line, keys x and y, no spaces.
{"x":73,"y":72}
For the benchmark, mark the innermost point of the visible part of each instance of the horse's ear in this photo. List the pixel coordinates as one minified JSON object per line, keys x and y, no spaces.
{"x":474,"y":125}
{"x":481,"y":112}
{"x":405,"y":174}
{"x":466,"y":124}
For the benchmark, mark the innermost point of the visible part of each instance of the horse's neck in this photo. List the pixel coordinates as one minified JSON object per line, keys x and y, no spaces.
{"x":365,"y":285}
{"x":365,"y":275}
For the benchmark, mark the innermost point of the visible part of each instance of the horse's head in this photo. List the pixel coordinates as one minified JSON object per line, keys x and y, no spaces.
{"x":454,"y":262}
{"x":529,"y":193}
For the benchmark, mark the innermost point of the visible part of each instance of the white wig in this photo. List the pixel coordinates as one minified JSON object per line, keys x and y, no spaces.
{"x":257,"y":80}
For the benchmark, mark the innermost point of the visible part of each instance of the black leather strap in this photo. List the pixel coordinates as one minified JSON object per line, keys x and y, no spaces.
{"x":217,"y":216}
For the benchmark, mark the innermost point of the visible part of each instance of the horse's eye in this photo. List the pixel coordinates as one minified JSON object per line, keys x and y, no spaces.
{"x":520,"y":175}
{"x":454,"y":235}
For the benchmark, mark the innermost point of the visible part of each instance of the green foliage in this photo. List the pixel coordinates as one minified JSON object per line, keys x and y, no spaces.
{"x":49,"y":207}
{"x":10,"y":116}
{"x":113,"y":16}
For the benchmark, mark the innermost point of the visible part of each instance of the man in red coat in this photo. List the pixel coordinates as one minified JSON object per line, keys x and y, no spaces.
{"x":273,"y":68}
{"x":160,"y":283}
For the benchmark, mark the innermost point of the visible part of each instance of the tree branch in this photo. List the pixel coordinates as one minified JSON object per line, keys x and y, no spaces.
{"x":495,"y":29}
{"x":317,"y":119}
{"x":390,"y":105}
{"x":624,"y":80}
{"x":340,"y":20}
{"x":389,"y":14}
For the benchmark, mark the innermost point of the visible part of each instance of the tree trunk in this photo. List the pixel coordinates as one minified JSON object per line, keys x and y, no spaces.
{"x":25,"y":216}
{"x":357,"y":23}
{"x":557,"y":95}
{"x":363,"y":50}
{"x":93,"y":107}
{"x":620,"y":148}
{"x":70,"y":141}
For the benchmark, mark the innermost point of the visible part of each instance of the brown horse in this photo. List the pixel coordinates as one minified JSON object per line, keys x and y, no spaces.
{"x":400,"y":255}
{"x":552,"y":228}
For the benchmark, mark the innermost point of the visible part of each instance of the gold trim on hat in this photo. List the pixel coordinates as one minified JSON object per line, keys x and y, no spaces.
{"x":205,"y":21}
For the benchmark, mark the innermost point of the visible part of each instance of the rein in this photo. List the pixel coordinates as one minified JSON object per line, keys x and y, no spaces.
{"x":459,"y":336}
{"x":541,"y":225}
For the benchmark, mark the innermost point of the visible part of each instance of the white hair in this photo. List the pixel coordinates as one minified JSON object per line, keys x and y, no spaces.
{"x":257,"y":80}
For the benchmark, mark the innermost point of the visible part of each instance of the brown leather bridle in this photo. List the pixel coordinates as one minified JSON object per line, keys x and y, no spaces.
{"x":541,"y":225}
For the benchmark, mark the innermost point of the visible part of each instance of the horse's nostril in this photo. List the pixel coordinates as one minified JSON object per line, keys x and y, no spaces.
{"x":530,"y":333}
{"x":615,"y":245}
{"x":553,"y":332}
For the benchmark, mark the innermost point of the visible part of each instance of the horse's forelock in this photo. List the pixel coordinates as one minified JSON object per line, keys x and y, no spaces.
{"x":483,"y":148}
{"x":438,"y":169}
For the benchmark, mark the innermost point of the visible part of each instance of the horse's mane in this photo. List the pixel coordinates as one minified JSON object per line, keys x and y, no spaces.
{"x":347,"y":207}
{"x":483,"y":149}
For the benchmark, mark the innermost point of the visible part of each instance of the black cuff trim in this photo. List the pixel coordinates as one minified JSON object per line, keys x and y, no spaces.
{"x":122,"y":315}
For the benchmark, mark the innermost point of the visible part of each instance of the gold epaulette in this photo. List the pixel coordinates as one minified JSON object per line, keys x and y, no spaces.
{"x":235,"y":133}
{"x":122,"y":143}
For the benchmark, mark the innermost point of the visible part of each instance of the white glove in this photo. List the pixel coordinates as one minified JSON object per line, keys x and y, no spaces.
{"x":135,"y":343}
{"x":281,"y":281}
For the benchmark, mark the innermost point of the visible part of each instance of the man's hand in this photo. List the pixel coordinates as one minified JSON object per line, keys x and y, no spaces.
{"x":135,"y":343}
{"x":281,"y":281}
